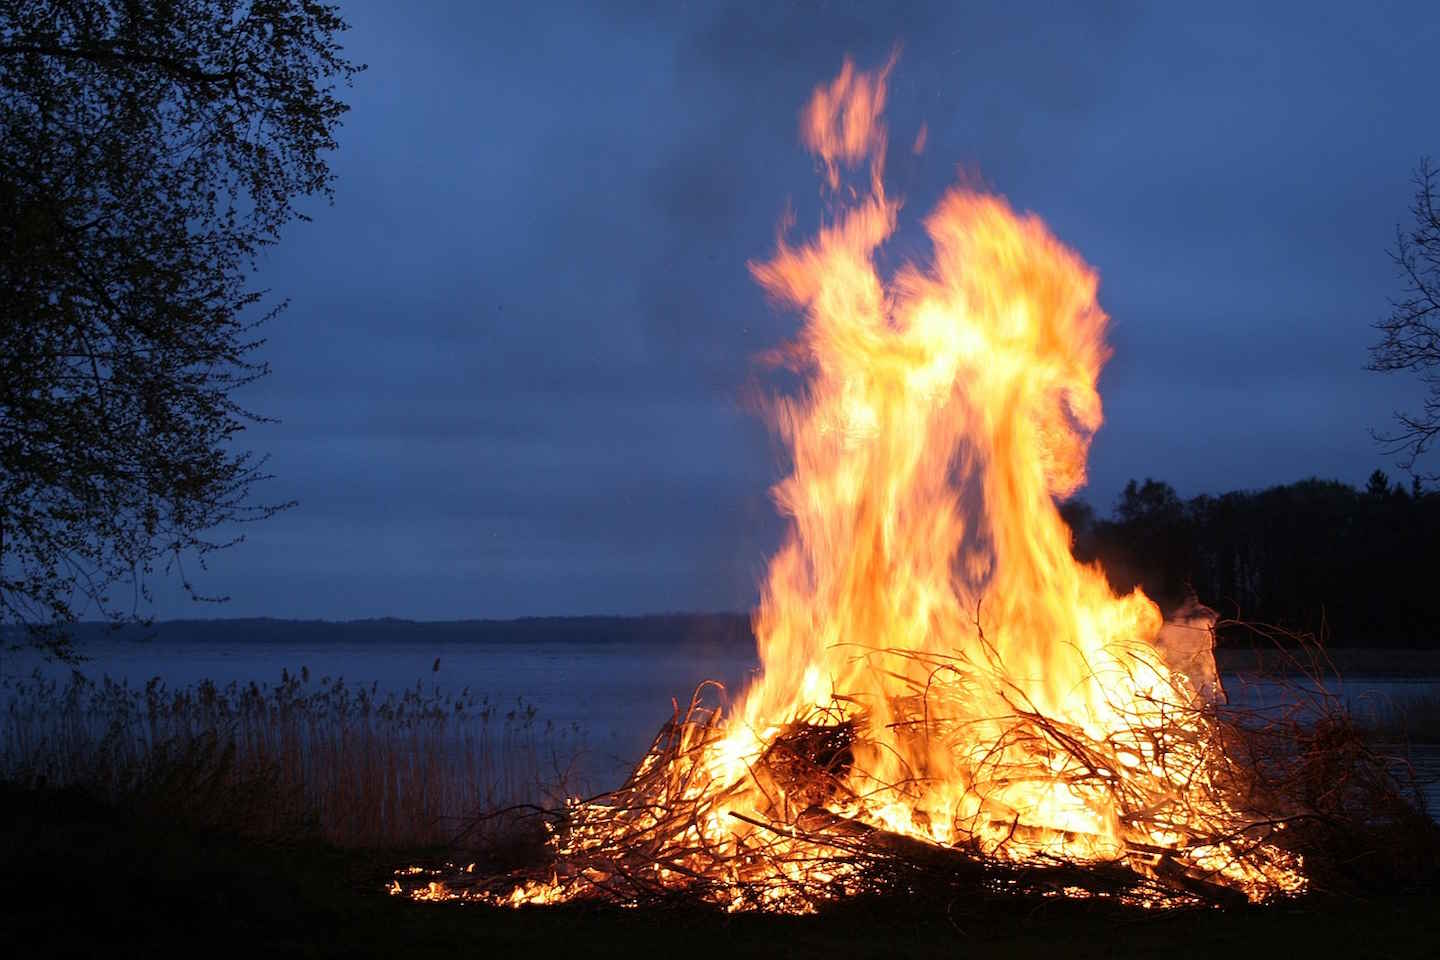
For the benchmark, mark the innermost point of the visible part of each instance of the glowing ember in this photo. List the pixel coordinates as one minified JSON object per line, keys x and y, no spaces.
{"x":942,"y":683}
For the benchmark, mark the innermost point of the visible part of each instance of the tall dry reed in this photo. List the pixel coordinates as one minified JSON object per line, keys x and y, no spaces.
{"x":365,"y":768}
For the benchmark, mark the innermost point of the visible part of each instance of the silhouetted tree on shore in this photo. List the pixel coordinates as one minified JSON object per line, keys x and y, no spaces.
{"x":1410,"y":335}
{"x":148,"y":153}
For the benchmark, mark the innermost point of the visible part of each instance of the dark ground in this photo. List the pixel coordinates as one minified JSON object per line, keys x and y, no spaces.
{"x":81,"y":878}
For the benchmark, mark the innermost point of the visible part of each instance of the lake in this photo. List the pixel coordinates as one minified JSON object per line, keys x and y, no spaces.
{"x":617,"y":688}
{"x":618,"y":693}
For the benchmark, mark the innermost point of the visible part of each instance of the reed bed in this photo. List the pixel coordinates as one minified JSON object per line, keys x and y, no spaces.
{"x":358,"y":766}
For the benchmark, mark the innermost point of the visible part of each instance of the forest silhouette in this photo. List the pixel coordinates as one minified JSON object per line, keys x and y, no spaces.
{"x":1354,"y":567}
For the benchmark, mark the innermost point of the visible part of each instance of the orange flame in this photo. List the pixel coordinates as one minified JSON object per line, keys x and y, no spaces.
{"x":945,"y":412}
{"x":1002,"y":698}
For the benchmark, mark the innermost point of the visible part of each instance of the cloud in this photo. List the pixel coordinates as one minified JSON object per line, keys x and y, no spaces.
{"x":510,"y":378}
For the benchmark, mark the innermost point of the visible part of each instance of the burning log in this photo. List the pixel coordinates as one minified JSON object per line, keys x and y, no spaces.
{"x":1171,"y":873}
{"x":965,"y":864}
{"x":823,"y":825}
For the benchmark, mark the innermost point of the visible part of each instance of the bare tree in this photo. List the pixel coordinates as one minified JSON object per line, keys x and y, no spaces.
{"x":1410,"y":335}
{"x":148,"y":153}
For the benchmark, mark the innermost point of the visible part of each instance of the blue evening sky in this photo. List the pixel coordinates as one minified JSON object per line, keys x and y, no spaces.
{"x":510,"y":379}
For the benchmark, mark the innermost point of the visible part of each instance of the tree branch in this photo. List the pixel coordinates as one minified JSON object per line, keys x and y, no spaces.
{"x":176,"y":68}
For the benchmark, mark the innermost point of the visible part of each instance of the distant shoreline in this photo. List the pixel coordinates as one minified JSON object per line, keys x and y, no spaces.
{"x":699,"y":630}
{"x":668,"y":628}
{"x":1398,"y":662}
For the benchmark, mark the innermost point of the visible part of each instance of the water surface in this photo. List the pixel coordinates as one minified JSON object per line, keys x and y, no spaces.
{"x":617,"y":691}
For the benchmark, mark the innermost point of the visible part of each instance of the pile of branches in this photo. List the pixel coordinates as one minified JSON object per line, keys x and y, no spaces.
{"x":1309,"y":785}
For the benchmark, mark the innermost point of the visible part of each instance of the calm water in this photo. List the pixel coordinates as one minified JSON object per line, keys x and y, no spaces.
{"x":619,"y":693}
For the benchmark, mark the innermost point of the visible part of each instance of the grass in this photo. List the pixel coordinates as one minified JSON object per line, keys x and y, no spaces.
{"x":352,"y":766}
{"x":82,"y":877}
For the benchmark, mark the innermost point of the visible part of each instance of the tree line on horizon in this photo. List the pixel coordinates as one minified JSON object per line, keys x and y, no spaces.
{"x":1351,"y":566}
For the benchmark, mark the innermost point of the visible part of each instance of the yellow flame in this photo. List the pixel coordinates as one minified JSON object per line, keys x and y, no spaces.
{"x":1001,"y":696}
{"x":944,"y":412}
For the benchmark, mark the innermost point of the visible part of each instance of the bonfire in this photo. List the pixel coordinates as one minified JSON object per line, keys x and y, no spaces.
{"x":946,"y":696}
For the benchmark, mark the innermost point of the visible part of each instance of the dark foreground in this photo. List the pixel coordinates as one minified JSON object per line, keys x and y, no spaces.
{"x":84,"y":878}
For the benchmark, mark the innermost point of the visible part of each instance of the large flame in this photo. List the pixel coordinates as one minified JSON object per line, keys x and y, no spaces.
{"x":944,"y":413}
{"x":995,"y":695}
